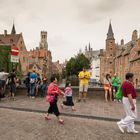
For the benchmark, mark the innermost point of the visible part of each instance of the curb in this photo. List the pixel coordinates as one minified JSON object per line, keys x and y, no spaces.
{"x":67,"y":114}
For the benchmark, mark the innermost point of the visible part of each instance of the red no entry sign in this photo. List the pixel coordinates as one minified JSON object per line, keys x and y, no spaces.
{"x":14,"y":50}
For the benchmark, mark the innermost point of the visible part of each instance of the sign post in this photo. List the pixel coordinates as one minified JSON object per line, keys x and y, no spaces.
{"x":14,"y":54}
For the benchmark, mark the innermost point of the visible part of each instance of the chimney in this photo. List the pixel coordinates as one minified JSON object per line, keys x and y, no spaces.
{"x":134,"y":35}
{"x":122,"y":42}
{"x":5,"y":32}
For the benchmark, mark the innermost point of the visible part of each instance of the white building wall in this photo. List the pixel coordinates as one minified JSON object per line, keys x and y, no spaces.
{"x":95,"y":71}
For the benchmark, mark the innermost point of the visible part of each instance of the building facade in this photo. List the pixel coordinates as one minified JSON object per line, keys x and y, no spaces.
{"x":93,"y":56}
{"x":16,"y":39}
{"x":121,"y":58}
{"x":41,"y":56}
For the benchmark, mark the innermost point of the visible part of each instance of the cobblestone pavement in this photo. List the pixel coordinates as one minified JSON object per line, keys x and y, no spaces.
{"x":17,"y":125}
{"x":92,"y":107}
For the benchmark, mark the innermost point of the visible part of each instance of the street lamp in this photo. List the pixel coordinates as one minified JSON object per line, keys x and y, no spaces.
{"x":45,"y":65}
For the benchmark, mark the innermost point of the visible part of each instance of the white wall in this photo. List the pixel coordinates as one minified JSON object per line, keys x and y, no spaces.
{"x":95,"y":71}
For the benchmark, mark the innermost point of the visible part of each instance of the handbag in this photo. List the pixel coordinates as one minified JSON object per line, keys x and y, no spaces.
{"x":49,"y":98}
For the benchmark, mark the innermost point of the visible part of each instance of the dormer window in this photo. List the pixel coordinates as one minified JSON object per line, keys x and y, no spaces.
{"x":11,"y":40}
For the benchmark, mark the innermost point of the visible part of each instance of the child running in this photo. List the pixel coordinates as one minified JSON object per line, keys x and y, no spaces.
{"x":53,"y":93}
{"x":68,"y":95}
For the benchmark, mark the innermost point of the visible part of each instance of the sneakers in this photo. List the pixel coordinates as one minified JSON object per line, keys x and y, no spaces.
{"x":119,"y":126}
{"x":79,"y":100}
{"x":134,"y":131}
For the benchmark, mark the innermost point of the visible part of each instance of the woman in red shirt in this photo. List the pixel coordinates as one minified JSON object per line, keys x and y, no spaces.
{"x":54,"y":92}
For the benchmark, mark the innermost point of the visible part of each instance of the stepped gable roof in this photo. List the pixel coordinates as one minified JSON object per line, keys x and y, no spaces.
{"x":128,"y":48}
{"x":120,"y":50}
{"x":9,"y":38}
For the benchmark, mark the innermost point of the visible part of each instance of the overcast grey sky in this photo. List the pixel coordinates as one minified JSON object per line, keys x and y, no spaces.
{"x":71,"y":24}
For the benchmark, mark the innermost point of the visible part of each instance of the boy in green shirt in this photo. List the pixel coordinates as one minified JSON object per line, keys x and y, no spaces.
{"x":115,"y":84}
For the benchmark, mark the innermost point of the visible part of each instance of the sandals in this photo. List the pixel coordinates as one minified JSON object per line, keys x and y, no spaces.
{"x":47,"y":118}
{"x":61,"y":121}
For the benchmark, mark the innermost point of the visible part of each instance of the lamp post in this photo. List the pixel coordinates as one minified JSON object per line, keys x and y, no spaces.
{"x":44,"y":65}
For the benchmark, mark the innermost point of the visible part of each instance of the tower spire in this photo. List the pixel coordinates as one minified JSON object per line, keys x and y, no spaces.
{"x":13,"y":29}
{"x":110,"y":34}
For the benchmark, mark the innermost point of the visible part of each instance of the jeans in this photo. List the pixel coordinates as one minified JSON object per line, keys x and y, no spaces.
{"x":43,"y":90}
{"x":32,"y":89}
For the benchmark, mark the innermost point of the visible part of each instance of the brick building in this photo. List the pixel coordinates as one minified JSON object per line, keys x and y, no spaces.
{"x":17,"y":39}
{"x":107,"y":56}
{"x":41,"y":56}
{"x":120,"y":58}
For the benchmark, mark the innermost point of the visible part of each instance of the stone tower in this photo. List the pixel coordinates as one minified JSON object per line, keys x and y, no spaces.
{"x":110,"y":51}
{"x":43,"y":42}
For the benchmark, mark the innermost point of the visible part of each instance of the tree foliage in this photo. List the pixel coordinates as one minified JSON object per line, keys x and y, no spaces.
{"x":75,"y":64}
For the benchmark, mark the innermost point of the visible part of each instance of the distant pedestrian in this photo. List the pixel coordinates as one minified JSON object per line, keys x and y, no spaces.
{"x":44,"y":86}
{"x":108,"y":87}
{"x":84,"y":77}
{"x":3,"y":79}
{"x":12,"y":83}
{"x":129,"y":103}
{"x":52,"y":97}
{"x":33,"y":78}
{"x":68,"y":95}
{"x":27,"y":83}
{"x":115,"y":84}
{"x":38,"y":85}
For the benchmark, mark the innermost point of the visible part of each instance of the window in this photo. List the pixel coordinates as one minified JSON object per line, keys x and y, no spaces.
{"x":110,"y":54}
{"x":138,"y":52}
{"x":110,"y":62}
{"x":110,"y":48}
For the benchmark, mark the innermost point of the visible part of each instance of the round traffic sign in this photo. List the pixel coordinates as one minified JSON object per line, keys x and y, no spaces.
{"x":14,"y":50}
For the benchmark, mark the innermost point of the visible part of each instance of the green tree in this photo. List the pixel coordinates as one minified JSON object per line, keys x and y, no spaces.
{"x":76,"y":64}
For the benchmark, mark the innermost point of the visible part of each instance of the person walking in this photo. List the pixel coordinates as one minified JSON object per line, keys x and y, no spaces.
{"x":12,"y":83}
{"x":53,"y":93}
{"x":115,"y":85}
{"x":107,"y":87}
{"x":68,"y":95}
{"x":38,"y":84}
{"x":27,"y":83}
{"x":33,"y":78}
{"x":129,"y":103}
{"x":3,"y":79}
{"x":84,"y":77}
{"x":44,"y":86}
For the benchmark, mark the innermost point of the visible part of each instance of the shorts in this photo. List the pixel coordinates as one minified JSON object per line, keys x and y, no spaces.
{"x":13,"y":88}
{"x":83,"y":87}
{"x":107,"y":87}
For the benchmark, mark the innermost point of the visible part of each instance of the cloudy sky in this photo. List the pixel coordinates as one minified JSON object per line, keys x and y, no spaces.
{"x":71,"y":24}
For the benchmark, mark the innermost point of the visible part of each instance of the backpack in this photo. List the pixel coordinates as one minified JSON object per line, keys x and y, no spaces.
{"x":32,"y":80}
